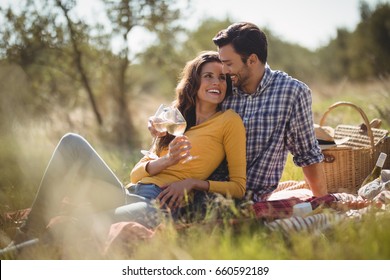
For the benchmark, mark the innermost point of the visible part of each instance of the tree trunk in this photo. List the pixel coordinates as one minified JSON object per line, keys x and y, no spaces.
{"x":78,"y":62}
{"x":124,"y":127}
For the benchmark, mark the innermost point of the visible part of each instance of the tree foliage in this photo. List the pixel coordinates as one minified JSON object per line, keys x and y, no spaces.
{"x":376,"y":31}
{"x":53,"y":50}
{"x":362,"y":54}
{"x":64,"y":57}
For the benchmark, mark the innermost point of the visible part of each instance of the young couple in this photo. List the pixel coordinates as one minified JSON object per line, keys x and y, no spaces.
{"x":253,"y":127}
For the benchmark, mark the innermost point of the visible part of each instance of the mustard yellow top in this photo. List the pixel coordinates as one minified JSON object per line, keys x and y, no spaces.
{"x":221,"y":135}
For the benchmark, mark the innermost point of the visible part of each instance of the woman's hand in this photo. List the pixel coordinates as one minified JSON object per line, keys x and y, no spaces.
{"x":153,"y":131}
{"x":173,"y":195}
{"x":178,"y":149}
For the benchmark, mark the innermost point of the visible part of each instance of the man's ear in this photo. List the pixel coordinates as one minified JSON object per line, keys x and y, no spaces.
{"x":252,"y":59}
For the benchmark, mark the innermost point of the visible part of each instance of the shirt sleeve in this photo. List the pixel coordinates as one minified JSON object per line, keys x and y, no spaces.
{"x":301,"y":139}
{"x":234,"y":141}
{"x":139,"y":170}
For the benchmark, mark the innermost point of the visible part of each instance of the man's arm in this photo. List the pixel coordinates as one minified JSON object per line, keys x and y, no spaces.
{"x":315,"y":177}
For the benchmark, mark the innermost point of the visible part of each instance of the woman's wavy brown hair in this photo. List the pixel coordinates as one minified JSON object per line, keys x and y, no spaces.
{"x":187,"y":89}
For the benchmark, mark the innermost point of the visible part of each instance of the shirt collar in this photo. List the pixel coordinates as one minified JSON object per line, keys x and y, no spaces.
{"x":263,"y":83}
{"x":266,"y":78}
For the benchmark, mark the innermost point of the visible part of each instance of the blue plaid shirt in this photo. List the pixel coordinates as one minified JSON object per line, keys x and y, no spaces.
{"x":278,"y":119}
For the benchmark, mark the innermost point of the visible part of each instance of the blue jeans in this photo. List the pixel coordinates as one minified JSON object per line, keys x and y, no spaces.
{"x":139,"y":205}
{"x":77,"y":172}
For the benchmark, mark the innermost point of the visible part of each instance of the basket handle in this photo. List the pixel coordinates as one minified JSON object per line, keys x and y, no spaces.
{"x":344,"y":103}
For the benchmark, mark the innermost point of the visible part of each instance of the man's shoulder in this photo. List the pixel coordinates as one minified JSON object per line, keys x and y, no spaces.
{"x":288,"y":83}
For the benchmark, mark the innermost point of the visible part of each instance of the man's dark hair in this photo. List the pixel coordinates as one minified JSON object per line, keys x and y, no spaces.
{"x":246,"y":39}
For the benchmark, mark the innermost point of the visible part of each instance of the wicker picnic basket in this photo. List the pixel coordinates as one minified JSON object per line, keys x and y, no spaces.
{"x":347,"y":165}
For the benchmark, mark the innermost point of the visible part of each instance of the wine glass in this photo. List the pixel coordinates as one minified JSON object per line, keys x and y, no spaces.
{"x":175,"y":124}
{"x":156,"y":119}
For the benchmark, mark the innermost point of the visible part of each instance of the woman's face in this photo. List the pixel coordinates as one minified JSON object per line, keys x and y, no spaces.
{"x":212,"y":84}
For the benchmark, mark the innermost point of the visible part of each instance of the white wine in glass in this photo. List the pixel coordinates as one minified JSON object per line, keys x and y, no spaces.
{"x":176,"y":125}
{"x":176,"y":129}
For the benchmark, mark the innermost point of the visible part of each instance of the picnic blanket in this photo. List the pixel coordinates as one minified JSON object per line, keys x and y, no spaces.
{"x":275,"y":211}
{"x":328,"y":210}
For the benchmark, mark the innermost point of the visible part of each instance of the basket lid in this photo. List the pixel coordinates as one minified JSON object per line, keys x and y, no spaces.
{"x":325,"y":137}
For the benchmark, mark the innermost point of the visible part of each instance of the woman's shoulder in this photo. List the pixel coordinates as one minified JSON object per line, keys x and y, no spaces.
{"x":231,"y":119}
{"x":231,"y":114}
{"x":232,"y":123}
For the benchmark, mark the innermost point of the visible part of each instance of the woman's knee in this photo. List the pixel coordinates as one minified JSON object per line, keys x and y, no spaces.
{"x":73,"y":142}
{"x":70,"y":138}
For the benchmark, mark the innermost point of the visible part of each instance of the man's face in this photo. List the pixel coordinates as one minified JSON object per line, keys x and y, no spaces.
{"x":233,"y":65}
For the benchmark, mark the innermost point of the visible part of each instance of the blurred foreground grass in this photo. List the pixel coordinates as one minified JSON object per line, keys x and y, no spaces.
{"x":365,"y":239}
